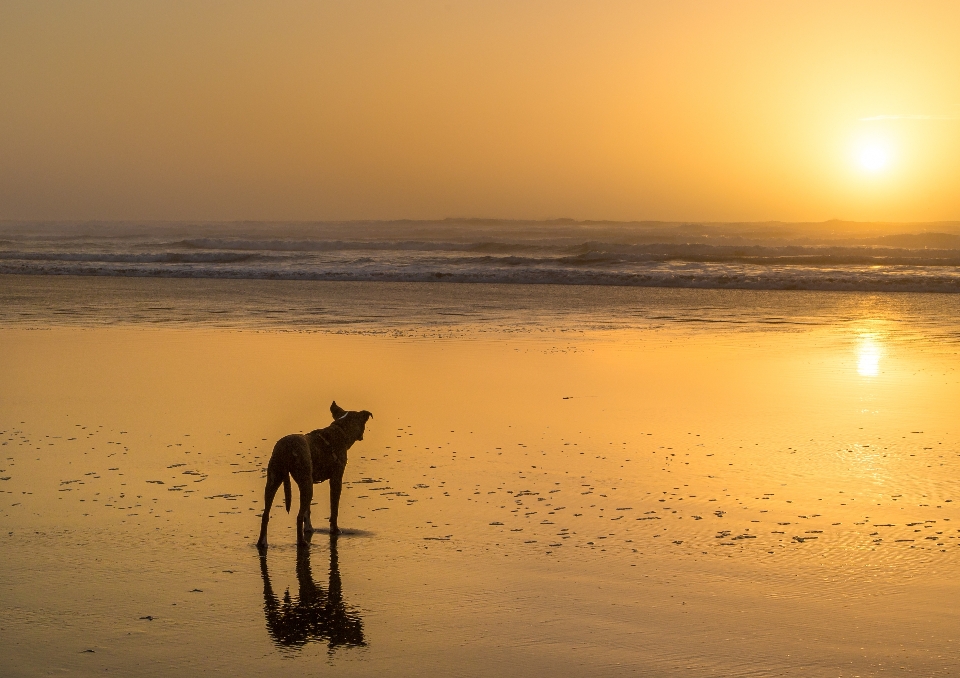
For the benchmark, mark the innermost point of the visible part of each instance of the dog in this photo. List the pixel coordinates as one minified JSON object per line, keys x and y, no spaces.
{"x":312,"y":458}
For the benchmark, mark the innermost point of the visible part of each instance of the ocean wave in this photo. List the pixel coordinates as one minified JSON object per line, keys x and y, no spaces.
{"x":603,"y":251}
{"x":893,"y":279}
{"x":286,"y":245}
{"x":581,"y":254}
{"x":131,"y":258}
{"x":586,"y":254}
{"x":769,"y":256}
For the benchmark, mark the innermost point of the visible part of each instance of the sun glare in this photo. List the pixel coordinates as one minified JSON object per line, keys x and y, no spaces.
{"x":873,"y":157}
{"x":868,"y":358}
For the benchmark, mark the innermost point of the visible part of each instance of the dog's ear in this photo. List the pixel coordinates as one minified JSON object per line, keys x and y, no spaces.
{"x":336,"y":410}
{"x":366,"y":415}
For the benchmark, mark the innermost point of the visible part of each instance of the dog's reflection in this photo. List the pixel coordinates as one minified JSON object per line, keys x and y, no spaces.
{"x":315,"y":614}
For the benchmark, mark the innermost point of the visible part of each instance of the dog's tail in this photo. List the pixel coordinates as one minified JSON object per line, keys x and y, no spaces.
{"x":286,"y":491}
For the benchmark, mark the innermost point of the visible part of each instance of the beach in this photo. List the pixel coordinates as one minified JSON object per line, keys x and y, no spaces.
{"x":619,"y":339}
{"x":557,"y":479}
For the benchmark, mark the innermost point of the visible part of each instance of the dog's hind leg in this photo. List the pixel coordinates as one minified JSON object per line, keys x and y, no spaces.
{"x":305,"y":484}
{"x":336,"y":485}
{"x":269,"y":492}
{"x":308,"y":523}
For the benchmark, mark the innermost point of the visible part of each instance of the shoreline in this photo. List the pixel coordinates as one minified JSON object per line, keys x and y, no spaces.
{"x":822,"y":281}
{"x":459,"y":308}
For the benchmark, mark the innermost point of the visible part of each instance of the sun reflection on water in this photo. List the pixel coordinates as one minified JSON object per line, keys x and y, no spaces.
{"x":868,"y":357}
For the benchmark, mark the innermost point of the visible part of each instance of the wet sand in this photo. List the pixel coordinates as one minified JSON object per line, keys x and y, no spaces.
{"x":668,"y":500}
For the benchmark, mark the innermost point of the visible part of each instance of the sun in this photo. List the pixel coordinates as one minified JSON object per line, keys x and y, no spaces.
{"x":873,"y":156}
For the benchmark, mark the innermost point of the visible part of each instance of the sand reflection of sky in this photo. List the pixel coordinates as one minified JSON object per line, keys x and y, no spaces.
{"x":866,"y":460}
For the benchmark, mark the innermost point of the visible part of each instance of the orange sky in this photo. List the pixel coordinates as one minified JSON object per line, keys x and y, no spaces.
{"x":676,"y":110}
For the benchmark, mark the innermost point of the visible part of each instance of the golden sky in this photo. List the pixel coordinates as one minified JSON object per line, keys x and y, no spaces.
{"x":677,"y":110}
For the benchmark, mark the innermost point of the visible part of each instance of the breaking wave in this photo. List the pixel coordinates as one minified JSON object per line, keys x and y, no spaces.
{"x":748,"y":256}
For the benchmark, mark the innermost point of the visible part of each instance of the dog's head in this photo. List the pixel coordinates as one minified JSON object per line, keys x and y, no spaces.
{"x":350,"y":421}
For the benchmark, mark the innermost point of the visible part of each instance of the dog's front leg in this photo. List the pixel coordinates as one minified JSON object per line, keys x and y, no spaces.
{"x":336,"y":484}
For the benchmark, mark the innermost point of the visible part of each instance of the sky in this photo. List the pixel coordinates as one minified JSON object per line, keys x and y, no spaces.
{"x":331,"y":110}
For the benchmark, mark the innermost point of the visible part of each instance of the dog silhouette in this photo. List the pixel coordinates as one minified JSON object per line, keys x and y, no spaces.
{"x":312,"y":458}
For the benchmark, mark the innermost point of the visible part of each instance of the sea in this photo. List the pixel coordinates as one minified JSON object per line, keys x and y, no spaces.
{"x":827,"y":256}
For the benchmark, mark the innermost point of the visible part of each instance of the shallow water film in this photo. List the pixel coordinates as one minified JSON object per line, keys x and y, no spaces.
{"x":572,"y":482}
